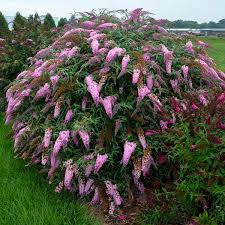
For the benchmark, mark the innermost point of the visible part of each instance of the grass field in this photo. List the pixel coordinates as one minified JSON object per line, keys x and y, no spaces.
{"x":25,"y":196}
{"x":27,"y":199}
{"x":217,"y":50}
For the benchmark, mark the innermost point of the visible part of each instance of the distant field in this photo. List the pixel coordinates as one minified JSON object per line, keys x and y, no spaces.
{"x":217,"y":50}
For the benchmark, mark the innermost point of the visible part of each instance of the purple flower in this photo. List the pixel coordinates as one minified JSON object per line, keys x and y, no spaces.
{"x":163,"y":125}
{"x":108,"y":103}
{"x":54,"y":80}
{"x":47,"y":137}
{"x":89,"y":169}
{"x":88,"y":24}
{"x":81,"y":186}
{"x":96,"y":197}
{"x":168,"y":57}
{"x":149,"y":81}
{"x":125,"y":61}
{"x":203,"y":100}
{"x":147,"y":161}
{"x":57,"y":110}
{"x":174,"y":84}
{"x":113,"y":53}
{"x":135,"y":76}
{"x":60,"y":142}
{"x":69,"y":116}
{"x":189,"y":47}
{"x":101,"y":159}
{"x":93,"y":88}
{"x":112,"y":191}
{"x":43,"y":92}
{"x":106,"y":26}
{"x":43,"y":53}
{"x":141,"y":138}
{"x":25,"y":93}
{"x":71,"y":171}
{"x":142,"y":92}
{"x":85,"y":138}
{"x":59,"y":188}
{"x":88,"y":186}
{"x":129,"y":148}
{"x":95,"y":46}
{"x":185,"y":70}
{"x":135,"y":14}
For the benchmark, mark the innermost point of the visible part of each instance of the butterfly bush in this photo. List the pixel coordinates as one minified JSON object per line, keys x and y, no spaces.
{"x":89,"y":104}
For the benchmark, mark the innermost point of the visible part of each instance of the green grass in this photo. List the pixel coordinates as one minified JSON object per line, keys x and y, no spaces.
{"x":217,"y":50}
{"x":27,"y":199}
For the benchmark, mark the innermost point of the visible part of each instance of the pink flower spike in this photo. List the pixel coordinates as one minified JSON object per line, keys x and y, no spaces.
{"x":142,"y":141}
{"x":54,"y":80}
{"x":85,"y":138}
{"x":168,"y":56}
{"x":96,"y":197}
{"x":125,"y":61}
{"x":113,"y":192}
{"x":47,"y":137}
{"x":189,"y":47}
{"x":81,"y":186}
{"x":108,"y":104}
{"x":114,"y":53}
{"x":88,"y":185}
{"x":43,"y":92}
{"x":95,"y":46}
{"x":135,"y":76}
{"x":88,"y":24}
{"x":203,"y":100}
{"x":129,"y":148}
{"x":101,"y":159}
{"x":149,"y":81}
{"x":71,"y":171}
{"x":147,"y":161}
{"x":89,"y":169}
{"x":142,"y":92}
{"x":163,"y":125}
{"x":150,"y":132}
{"x":69,"y":116}
{"x":185,"y":70}
{"x":57,"y":110}
{"x":93,"y":88}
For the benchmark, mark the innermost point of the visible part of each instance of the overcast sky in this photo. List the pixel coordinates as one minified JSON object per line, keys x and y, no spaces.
{"x":199,"y":10}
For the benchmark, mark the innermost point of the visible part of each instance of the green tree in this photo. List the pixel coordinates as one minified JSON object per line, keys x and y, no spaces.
{"x":19,"y":22}
{"x":37,"y":19}
{"x":49,"y":22}
{"x":4,"y":29}
{"x":62,"y":22}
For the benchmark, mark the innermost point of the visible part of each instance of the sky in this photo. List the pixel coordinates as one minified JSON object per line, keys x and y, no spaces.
{"x":198,"y":10}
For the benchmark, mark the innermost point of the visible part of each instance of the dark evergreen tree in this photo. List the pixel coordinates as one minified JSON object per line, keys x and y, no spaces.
{"x":49,"y":22}
{"x":62,"y":22}
{"x":19,"y":22}
{"x":4,"y":29}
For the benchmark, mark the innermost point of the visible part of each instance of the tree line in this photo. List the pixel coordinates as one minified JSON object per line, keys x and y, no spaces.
{"x":194,"y":24}
{"x":20,"y":22}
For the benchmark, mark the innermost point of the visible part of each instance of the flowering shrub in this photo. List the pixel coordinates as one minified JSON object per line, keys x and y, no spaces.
{"x":26,"y":38}
{"x":90,"y":103}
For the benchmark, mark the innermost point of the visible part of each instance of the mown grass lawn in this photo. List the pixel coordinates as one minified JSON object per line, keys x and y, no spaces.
{"x":27,"y":199}
{"x":217,"y":50}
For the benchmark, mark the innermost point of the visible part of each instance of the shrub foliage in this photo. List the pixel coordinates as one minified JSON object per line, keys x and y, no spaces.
{"x":106,"y":110}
